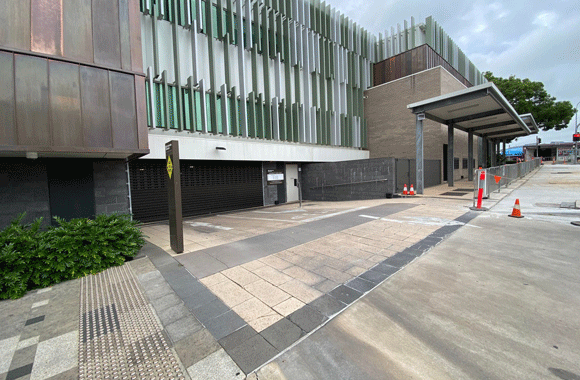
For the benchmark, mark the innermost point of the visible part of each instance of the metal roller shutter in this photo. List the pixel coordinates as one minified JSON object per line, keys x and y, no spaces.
{"x":206,"y":186}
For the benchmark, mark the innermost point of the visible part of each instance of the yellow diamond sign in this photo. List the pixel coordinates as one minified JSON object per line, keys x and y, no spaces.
{"x":169,"y":167}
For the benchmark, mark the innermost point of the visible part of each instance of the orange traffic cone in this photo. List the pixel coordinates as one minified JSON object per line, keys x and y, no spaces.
{"x":412,"y":192}
{"x":405,"y":190}
{"x":516,"y":213}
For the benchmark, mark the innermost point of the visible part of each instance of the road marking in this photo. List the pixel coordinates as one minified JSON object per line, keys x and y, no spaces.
{"x":268,"y":219}
{"x":423,"y":221}
{"x":279,"y":212}
{"x":202,"y":224}
{"x":333,"y":214}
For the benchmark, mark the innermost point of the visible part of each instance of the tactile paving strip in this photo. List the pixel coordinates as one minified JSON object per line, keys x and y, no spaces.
{"x":120,"y":338}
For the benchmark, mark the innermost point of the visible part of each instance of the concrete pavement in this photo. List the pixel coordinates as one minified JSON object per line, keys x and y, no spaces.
{"x":500,"y":298}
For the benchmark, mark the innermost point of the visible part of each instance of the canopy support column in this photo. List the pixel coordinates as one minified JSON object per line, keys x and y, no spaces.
{"x":450,"y":160}
{"x":470,"y":156}
{"x":419,"y":154}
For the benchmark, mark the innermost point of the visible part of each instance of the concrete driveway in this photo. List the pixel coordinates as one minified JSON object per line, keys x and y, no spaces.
{"x":499,"y":299}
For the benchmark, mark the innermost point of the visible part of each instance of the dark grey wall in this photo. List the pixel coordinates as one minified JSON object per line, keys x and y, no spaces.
{"x":111,"y":192}
{"x":23,"y":187}
{"x":348,"y":180}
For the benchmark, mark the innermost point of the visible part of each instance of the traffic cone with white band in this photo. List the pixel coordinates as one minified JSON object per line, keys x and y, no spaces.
{"x":405,"y":190}
{"x":412,"y":192}
{"x":516,"y":212}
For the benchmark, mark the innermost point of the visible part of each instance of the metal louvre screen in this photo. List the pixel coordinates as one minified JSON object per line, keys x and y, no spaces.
{"x":206,"y":186}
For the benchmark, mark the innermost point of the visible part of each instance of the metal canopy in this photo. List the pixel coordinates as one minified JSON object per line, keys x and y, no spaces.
{"x":481,"y":110}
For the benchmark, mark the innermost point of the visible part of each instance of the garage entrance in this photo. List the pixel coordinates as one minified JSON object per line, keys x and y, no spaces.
{"x":206,"y":186}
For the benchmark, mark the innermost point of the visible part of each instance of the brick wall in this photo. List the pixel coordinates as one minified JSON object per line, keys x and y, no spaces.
{"x":111,"y":193}
{"x":23,"y":188}
{"x":391,"y":125}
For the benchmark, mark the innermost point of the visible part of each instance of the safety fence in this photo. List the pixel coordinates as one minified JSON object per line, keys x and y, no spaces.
{"x":502,"y":176}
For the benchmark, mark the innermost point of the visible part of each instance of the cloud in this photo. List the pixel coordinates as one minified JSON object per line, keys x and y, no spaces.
{"x":546,"y":19}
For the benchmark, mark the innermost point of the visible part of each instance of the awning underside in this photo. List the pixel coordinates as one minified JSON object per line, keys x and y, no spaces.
{"x":482,"y":110}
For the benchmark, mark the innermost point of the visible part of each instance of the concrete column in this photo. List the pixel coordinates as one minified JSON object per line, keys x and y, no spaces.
{"x":504,"y":148}
{"x":493,"y":153}
{"x":419,"y":154}
{"x":450,"y":153}
{"x":470,"y":156}
{"x":485,"y":147}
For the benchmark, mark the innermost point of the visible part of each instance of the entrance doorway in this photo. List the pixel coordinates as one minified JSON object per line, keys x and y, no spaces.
{"x":71,"y":189}
{"x":291,"y":183}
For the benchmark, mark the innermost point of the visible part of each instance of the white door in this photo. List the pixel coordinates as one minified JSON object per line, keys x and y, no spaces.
{"x":291,"y":182}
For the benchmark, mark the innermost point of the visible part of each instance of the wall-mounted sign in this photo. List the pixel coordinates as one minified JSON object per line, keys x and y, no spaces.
{"x":275,"y":178}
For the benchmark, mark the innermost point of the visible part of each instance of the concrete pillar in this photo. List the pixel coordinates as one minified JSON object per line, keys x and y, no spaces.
{"x":470,"y":156}
{"x":450,"y":168}
{"x":504,"y":148}
{"x":485,"y":147}
{"x":419,"y":155}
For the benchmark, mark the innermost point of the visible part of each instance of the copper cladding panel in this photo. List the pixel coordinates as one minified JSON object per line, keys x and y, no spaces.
{"x":46,"y":27}
{"x":8,"y":122}
{"x":78,"y":30}
{"x":32,"y":100}
{"x":140,"y":98}
{"x":135,"y":28}
{"x":123,"y":112}
{"x":96,"y":107}
{"x":125,"y":37}
{"x":15,"y":21}
{"x":65,"y":104}
{"x":106,"y":41}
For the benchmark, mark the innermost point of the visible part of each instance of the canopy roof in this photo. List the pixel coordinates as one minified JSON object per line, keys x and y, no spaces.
{"x":482,"y":110}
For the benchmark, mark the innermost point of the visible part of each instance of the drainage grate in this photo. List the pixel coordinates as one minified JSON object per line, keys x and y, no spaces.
{"x":562,"y":173}
{"x":120,"y":336}
{"x":454,"y":193}
{"x":468,"y":190}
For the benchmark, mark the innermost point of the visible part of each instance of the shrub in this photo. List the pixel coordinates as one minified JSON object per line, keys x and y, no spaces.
{"x":18,"y":247}
{"x":31,"y":258}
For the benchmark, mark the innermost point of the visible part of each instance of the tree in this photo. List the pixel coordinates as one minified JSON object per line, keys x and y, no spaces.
{"x":531,"y":97}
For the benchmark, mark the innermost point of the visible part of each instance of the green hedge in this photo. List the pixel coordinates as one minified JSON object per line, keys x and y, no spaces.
{"x":31,"y":257}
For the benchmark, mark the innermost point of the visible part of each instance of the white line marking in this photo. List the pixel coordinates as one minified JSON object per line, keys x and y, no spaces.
{"x":279,"y":212}
{"x":202,"y":224}
{"x":269,"y":219}
{"x":423,"y":221}
{"x":333,"y":214}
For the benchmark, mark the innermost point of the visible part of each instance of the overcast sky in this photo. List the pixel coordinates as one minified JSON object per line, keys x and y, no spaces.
{"x":539,"y":40}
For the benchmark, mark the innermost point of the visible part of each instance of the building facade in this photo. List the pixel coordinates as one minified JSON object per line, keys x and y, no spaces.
{"x":250,"y":90}
{"x":72,"y":105}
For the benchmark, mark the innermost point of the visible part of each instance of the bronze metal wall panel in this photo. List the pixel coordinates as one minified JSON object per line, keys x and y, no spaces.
{"x":135,"y":28}
{"x":140,"y":98}
{"x":411,"y":62}
{"x":15,"y":21}
{"x":96,"y":107}
{"x":125,"y":36}
{"x":106,"y":40}
{"x":46,"y":26}
{"x":31,"y":95}
{"x":78,"y":30}
{"x":123,"y":112}
{"x":65,"y":104}
{"x":8,"y":122}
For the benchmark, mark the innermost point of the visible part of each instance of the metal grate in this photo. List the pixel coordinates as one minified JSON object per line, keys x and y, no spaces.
{"x":120,"y":336}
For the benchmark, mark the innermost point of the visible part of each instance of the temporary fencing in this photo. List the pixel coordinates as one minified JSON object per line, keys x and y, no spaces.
{"x":502,"y":176}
